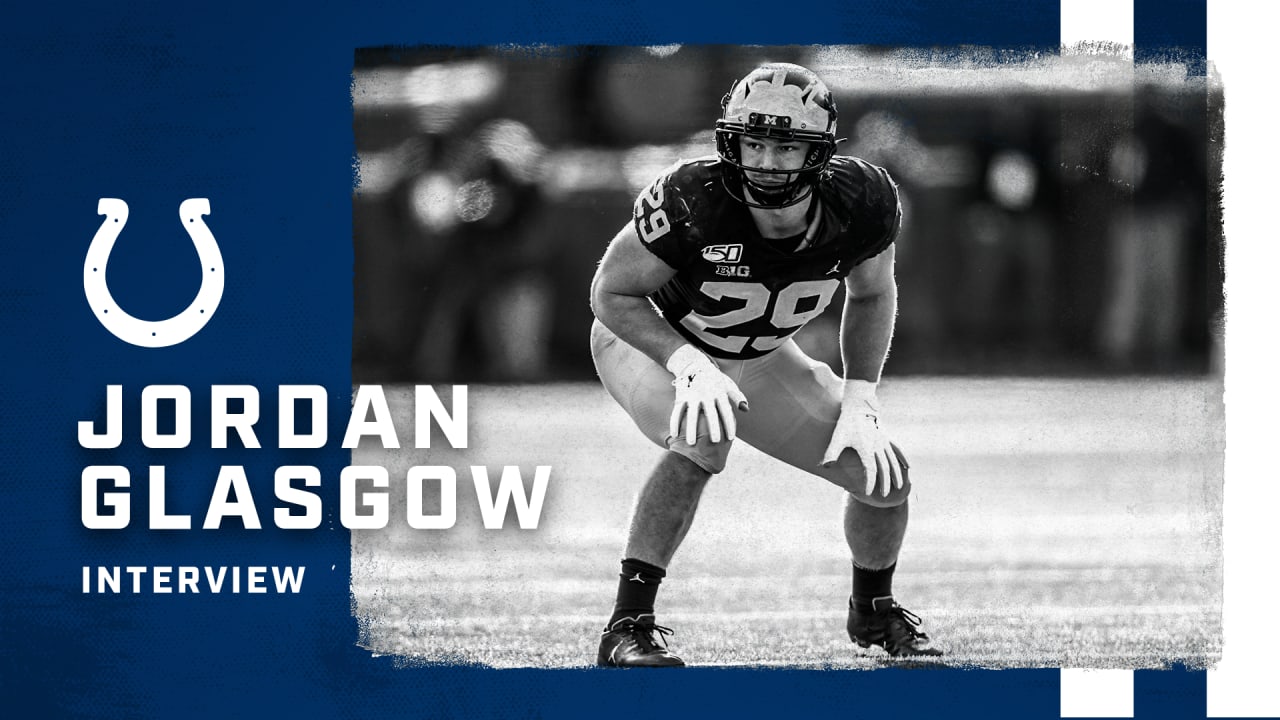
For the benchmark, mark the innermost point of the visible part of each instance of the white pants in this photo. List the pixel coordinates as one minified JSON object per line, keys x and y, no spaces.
{"x":794,"y":399}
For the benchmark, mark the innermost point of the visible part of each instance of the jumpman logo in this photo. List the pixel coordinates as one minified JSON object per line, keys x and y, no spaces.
{"x":637,"y":578}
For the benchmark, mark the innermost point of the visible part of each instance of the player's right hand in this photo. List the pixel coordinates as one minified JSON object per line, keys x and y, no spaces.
{"x":702,"y":389}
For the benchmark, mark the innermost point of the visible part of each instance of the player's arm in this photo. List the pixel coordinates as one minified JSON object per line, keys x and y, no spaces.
{"x":870,"y":309}
{"x":866,"y":330}
{"x":627,"y":274}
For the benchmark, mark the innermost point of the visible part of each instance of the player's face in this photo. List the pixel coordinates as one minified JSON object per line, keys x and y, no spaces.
{"x":772,"y":154}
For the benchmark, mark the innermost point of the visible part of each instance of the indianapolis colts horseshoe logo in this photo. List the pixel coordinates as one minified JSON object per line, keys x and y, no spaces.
{"x":147,"y":333}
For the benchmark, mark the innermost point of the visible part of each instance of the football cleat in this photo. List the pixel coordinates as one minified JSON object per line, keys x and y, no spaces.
{"x":630,"y":642}
{"x":890,"y":626}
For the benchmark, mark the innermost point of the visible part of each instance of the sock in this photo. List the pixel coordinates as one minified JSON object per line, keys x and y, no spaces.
{"x":637,"y":588}
{"x":871,"y":584}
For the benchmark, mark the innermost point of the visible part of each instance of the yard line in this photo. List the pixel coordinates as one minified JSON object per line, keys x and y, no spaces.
{"x":1042,"y":611}
{"x":468,"y":578}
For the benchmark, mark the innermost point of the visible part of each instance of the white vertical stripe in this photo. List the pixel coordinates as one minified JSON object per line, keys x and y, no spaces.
{"x":1240,"y":38}
{"x":1096,"y":693}
{"x":1094,"y":21}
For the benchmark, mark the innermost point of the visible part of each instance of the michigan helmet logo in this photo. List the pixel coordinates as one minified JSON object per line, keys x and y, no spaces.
{"x":146,"y":333}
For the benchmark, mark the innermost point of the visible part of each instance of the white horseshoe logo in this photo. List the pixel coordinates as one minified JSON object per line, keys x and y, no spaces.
{"x":146,"y":333}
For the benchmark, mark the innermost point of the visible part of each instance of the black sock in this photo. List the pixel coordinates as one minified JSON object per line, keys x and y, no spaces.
{"x":637,"y":588}
{"x":871,"y":584}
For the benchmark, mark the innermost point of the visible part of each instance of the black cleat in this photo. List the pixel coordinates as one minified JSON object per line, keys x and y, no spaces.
{"x":630,"y":642}
{"x":890,"y":626}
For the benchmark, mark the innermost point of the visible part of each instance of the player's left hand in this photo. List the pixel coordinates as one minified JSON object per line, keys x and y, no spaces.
{"x":859,"y":428}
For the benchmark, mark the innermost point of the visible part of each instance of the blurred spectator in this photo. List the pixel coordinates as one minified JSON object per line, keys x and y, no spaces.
{"x":1006,"y":272}
{"x":488,"y":310}
{"x":1147,"y":240}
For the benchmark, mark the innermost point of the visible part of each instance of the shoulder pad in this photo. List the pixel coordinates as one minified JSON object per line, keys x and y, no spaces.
{"x":864,"y":195}
{"x":672,"y":200}
{"x":693,"y":176}
{"x":858,"y":183}
{"x":690,"y":180}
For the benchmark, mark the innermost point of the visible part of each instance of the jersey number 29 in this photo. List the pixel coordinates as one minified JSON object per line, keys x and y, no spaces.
{"x":781,"y":308}
{"x":653,"y":224}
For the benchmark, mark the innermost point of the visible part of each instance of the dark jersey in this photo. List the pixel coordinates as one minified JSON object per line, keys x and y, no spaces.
{"x":736,"y":294}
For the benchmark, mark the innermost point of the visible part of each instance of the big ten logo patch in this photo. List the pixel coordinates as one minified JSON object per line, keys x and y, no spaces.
{"x":741,"y":271}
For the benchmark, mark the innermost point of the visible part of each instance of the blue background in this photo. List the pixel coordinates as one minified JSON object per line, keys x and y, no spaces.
{"x":250,"y":107}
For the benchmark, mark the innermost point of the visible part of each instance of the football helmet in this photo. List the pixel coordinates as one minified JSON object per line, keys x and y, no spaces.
{"x":781,"y":101}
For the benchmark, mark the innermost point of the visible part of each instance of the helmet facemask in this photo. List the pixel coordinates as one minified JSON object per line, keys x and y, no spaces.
{"x":779,"y":102}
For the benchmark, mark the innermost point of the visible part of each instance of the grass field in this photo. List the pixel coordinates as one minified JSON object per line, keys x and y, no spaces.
{"x":1054,"y":523}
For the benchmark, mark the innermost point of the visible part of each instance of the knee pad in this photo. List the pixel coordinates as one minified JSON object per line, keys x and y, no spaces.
{"x":848,"y":474}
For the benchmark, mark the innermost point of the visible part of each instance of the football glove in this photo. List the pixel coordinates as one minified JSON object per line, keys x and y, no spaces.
{"x":702,"y":388}
{"x":859,"y":428}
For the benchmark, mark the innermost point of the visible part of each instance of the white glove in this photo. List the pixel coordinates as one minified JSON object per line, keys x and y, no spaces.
{"x":702,"y":388}
{"x":859,"y":428}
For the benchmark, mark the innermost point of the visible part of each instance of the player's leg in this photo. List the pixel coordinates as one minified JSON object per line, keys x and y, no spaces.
{"x":661,"y":518}
{"x":800,"y":399}
{"x":663,"y":513}
{"x":665,"y":507}
{"x":874,"y":533}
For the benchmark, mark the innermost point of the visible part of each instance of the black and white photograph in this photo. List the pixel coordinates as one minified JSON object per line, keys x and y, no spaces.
{"x":796,"y":356}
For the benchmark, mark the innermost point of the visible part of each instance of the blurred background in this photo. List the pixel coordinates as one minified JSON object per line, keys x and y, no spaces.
{"x":1061,"y":210}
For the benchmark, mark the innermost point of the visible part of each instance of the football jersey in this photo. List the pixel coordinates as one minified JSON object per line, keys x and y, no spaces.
{"x":739,"y":295}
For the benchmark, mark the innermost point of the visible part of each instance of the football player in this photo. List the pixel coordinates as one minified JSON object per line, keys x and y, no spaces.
{"x":737,"y":252}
